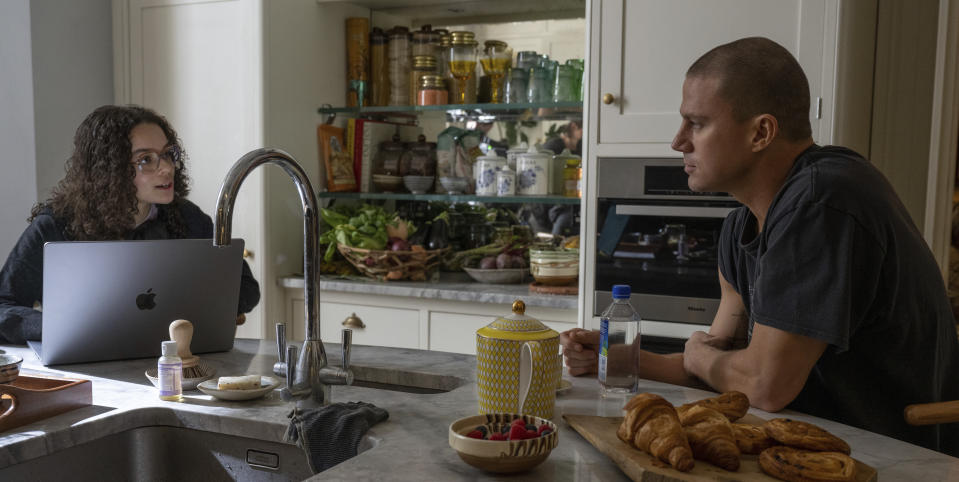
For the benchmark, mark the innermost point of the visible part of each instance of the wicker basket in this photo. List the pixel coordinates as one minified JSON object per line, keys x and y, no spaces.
{"x":387,"y":265}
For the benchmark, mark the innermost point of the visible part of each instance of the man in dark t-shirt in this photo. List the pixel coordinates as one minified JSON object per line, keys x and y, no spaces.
{"x":832,"y":304}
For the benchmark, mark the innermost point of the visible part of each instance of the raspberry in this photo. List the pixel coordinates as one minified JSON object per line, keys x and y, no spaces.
{"x":475,"y":434}
{"x":531,"y":434}
{"x":517,"y":433}
{"x":518,"y":421}
{"x":543,"y":428}
{"x":497,"y":436}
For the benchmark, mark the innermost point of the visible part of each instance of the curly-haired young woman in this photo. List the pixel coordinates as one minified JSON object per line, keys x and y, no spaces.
{"x":126,"y":180}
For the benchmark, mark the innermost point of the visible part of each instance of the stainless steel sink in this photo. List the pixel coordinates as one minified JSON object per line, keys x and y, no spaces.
{"x":161,"y":453}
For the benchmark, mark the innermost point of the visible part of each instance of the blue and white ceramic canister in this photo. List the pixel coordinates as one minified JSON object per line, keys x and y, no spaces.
{"x":505,"y":182}
{"x":532,"y":173}
{"x":484,"y":172}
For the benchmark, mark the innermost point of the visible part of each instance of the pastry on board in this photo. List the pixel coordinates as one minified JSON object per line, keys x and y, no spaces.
{"x":652,"y":425}
{"x":731,"y":404}
{"x":752,"y":439}
{"x":797,"y":465}
{"x":711,"y":437}
{"x":804,"y":435}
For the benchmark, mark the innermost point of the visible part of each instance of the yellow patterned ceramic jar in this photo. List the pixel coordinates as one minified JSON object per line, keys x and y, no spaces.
{"x":516,"y":365}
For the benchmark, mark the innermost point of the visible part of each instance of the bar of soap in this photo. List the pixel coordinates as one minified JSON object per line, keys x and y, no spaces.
{"x":245,"y":382}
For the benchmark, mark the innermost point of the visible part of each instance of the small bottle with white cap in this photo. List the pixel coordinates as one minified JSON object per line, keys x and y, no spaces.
{"x":170,"y":373}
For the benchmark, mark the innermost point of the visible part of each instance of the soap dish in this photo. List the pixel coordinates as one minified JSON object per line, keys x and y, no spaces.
{"x":187,"y":383}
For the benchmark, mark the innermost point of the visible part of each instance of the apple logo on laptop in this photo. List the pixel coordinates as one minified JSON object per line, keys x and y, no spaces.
{"x":145,"y":301}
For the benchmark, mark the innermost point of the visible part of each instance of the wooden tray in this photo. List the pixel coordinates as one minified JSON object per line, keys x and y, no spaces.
{"x":28,"y":399}
{"x":640,"y":466}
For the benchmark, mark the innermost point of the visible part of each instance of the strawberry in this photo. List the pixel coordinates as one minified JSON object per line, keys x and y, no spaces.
{"x":517,"y":432}
{"x":518,"y":421}
{"x":497,"y":436}
{"x":475,"y":434}
{"x":531,"y":434}
{"x":543,"y":428}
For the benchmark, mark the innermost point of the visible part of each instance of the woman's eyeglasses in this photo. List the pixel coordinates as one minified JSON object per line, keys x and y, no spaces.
{"x":149,"y":162}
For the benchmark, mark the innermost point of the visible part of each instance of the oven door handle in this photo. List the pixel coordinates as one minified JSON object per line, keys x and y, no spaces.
{"x":676,"y":211}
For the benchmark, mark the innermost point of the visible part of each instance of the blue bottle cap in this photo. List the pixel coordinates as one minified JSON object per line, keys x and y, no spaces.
{"x":621,"y":291}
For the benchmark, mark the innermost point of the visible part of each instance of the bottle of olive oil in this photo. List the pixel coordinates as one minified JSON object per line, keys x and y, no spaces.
{"x":170,"y":373}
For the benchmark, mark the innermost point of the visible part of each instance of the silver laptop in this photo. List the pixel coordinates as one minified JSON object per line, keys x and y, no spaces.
{"x":113,"y":300}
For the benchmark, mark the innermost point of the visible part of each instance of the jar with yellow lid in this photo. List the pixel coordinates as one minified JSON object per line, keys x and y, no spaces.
{"x":432,"y":91}
{"x":463,"y":66}
{"x":422,"y":65}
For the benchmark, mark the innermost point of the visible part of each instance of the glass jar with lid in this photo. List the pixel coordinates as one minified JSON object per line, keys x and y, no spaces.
{"x":432,"y":91}
{"x":379,"y":68}
{"x":398,"y":56}
{"x":387,"y":159}
{"x":419,"y":158}
{"x":422,"y":65}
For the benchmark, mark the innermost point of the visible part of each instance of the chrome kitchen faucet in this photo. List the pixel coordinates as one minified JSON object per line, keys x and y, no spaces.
{"x":308,"y":384}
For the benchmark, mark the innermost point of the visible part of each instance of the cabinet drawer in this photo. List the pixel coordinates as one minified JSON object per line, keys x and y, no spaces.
{"x":393,"y":327}
{"x":456,"y":332}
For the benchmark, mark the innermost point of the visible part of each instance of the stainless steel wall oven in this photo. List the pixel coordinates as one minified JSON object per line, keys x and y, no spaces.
{"x":658,"y":236}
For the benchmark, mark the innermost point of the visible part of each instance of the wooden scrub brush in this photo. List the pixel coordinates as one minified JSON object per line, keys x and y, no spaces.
{"x":181,"y":331}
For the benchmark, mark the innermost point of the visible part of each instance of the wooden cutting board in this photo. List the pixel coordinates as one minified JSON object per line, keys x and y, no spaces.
{"x":640,"y":466}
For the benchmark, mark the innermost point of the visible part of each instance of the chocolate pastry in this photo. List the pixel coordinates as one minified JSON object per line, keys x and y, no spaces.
{"x":651,"y":425}
{"x":711,"y":437}
{"x":795,"y":465}
{"x":731,"y":404}
{"x":751,"y":439}
{"x":803,"y":435}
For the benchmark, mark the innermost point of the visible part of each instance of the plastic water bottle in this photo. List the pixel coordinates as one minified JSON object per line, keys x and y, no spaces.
{"x":619,"y":341}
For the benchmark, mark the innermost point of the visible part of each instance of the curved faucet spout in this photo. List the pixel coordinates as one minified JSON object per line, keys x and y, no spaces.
{"x":308,"y":376}
{"x":223,"y":220}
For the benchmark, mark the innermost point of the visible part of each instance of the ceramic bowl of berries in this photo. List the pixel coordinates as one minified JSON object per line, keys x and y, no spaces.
{"x":503,"y":442}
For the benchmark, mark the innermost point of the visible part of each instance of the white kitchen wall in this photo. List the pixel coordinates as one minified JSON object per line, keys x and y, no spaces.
{"x":72,"y":75}
{"x":18,"y":188}
{"x":57,"y":60}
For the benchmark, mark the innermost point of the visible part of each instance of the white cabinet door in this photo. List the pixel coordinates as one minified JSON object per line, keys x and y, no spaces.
{"x":198,"y":63}
{"x":645,"y":47}
{"x":384,"y":326}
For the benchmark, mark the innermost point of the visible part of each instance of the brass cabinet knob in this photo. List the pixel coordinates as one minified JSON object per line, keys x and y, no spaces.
{"x":354,"y":322}
{"x":247,"y":254}
{"x":608,"y":98}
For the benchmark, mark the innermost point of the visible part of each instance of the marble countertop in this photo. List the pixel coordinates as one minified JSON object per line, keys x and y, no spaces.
{"x":416,"y":431}
{"x":451,"y":286}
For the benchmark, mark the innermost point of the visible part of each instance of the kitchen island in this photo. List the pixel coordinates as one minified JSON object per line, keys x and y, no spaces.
{"x":412,"y":444}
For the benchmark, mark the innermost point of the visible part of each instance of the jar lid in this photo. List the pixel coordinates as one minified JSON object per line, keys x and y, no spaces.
{"x":430,"y":81}
{"x":494,"y":43}
{"x":424,"y":61}
{"x":566,"y":156}
{"x":517,"y":326}
{"x":398,"y":30}
{"x":534,"y":152}
{"x":377,"y":36}
{"x":462,"y":37}
{"x":518,"y":149}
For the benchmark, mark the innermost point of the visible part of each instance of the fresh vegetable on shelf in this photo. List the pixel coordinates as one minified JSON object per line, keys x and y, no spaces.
{"x":368,"y":228}
{"x":439,"y":232}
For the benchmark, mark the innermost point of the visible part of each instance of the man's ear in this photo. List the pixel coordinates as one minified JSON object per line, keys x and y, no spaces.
{"x":765,"y":129}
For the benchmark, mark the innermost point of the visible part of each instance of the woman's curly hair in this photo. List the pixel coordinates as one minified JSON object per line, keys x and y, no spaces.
{"x":96,"y":199}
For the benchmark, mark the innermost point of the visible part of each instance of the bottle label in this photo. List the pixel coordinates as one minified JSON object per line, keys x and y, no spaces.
{"x":170,"y":379}
{"x":603,"y":348}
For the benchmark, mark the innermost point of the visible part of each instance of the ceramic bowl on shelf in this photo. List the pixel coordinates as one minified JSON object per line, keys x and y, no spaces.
{"x":387,"y":183}
{"x":501,"y":456}
{"x":454,"y":185}
{"x":418,"y":184}
{"x":497,"y":276}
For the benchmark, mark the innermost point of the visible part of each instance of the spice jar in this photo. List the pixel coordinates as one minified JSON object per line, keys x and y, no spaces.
{"x":422,"y":65}
{"x":424,"y":41}
{"x":379,"y":68}
{"x":357,"y":59}
{"x":573,"y":177}
{"x":432,"y":91}
{"x":398,"y":56}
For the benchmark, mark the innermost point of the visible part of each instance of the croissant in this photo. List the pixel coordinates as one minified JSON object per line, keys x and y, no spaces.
{"x":711,"y":437}
{"x":751,"y":439}
{"x":731,"y":404}
{"x":788,"y":463}
{"x":803,"y":435}
{"x":651,"y":425}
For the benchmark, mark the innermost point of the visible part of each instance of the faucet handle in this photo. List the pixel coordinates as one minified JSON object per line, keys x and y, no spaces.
{"x":347,"y":346}
{"x":290,"y":365}
{"x":281,"y":342}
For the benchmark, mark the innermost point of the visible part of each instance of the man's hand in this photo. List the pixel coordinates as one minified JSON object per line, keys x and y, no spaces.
{"x":581,"y":348}
{"x":698,"y":344}
{"x":240,"y":319}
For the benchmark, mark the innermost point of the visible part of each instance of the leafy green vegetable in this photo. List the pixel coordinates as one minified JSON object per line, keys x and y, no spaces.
{"x":363,"y":227}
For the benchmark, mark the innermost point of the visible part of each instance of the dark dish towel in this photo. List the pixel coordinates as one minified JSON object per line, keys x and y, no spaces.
{"x":331,"y":434}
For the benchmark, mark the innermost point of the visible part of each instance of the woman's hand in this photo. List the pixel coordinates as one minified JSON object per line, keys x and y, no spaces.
{"x":581,"y":350}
